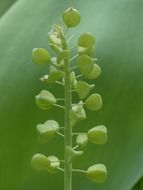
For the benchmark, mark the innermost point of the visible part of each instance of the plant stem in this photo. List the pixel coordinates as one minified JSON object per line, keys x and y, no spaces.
{"x":68,"y":128}
{"x":78,"y":170}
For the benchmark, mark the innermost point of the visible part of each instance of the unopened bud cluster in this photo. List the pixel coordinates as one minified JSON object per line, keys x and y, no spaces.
{"x":45,"y":100}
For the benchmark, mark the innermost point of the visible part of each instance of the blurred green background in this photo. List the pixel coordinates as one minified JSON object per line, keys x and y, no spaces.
{"x":118,"y":27}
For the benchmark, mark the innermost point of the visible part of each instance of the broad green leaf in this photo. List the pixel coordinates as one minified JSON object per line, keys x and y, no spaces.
{"x":118,"y":28}
{"x":5,"y":5}
{"x":139,"y":185}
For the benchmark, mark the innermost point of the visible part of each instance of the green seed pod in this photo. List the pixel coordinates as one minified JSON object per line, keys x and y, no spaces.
{"x":77,"y":113}
{"x":45,"y":100}
{"x":97,"y":173}
{"x":39,"y":162}
{"x":54,"y":163}
{"x":71,"y":17}
{"x":61,"y":56}
{"x":40,"y":56}
{"x":47,"y":130}
{"x":85,"y":64}
{"x":94,"y":73}
{"x":94,"y":102}
{"x":82,"y":140}
{"x":86,"y":43}
{"x":83,"y":89}
{"x":98,"y":134}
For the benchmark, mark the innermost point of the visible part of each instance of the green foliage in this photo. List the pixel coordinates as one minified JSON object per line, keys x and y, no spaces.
{"x":118,"y":28}
{"x":5,"y":5}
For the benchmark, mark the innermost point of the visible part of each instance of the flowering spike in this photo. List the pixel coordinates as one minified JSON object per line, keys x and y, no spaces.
{"x":60,"y":72}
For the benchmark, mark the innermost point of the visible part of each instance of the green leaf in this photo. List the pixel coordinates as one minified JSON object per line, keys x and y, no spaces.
{"x":118,"y":28}
{"x":138,"y":185}
{"x":5,"y":5}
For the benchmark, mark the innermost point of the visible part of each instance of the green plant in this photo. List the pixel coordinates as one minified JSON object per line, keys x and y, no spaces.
{"x":62,"y":73}
{"x":117,"y":27}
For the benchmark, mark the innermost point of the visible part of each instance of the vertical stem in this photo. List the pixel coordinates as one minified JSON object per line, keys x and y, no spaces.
{"x":68,"y":128}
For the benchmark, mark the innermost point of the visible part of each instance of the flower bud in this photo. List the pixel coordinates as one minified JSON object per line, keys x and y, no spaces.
{"x":94,"y":73}
{"x":98,"y":134}
{"x":54,"y":163}
{"x":97,"y":173}
{"x":85,"y":64}
{"x":83,"y":89}
{"x":77,"y":113}
{"x":47,"y":130}
{"x":71,"y":17}
{"x":94,"y":102}
{"x":82,"y":140}
{"x":86,"y":43}
{"x":55,"y":40}
{"x":45,"y":100}
{"x":40,"y":56}
{"x":39,"y":162}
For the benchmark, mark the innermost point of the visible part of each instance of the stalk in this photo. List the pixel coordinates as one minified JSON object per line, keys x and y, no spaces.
{"x":68,"y":128}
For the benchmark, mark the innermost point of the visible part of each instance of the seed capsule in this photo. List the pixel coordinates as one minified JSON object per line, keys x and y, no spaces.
{"x":98,"y":134}
{"x":97,"y":173}
{"x":94,"y":102}
{"x":85,"y":64}
{"x":40,"y":56}
{"x":71,"y":17}
{"x":39,"y":162}
{"x":47,"y":130}
{"x":54,"y":163}
{"x":82,"y":140}
{"x":94,"y":73}
{"x":45,"y":100}
{"x":86,"y":43}
{"x":83,"y":89}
